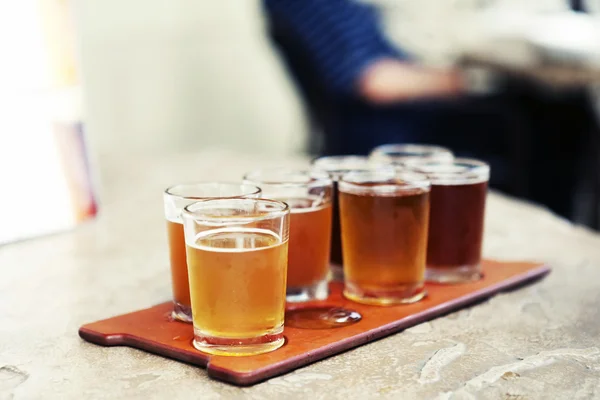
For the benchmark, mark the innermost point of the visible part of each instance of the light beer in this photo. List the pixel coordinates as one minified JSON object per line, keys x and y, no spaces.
{"x":237,"y":283}
{"x":236,"y":252}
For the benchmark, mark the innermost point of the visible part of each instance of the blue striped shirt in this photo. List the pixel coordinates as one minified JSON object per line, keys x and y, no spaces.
{"x":340,"y":37}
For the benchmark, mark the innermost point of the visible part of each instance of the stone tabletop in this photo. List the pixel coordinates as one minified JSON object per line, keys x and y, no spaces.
{"x":542,"y":341}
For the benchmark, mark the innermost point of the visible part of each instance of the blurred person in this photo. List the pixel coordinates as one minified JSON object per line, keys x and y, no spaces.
{"x":370,"y":80}
{"x":356,"y":81}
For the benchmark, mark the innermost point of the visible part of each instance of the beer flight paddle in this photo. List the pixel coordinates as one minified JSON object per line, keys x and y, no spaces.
{"x":153,"y":329}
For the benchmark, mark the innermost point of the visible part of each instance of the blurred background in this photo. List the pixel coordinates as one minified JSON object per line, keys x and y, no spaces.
{"x":185,"y":75}
{"x":510,"y":82}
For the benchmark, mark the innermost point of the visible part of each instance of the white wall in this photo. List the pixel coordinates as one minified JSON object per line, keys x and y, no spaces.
{"x":172,"y":75}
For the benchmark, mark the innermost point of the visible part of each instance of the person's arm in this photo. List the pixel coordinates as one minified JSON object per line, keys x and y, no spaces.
{"x":351,"y":54}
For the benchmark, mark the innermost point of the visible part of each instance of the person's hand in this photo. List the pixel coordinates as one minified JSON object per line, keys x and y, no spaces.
{"x":389,"y":81}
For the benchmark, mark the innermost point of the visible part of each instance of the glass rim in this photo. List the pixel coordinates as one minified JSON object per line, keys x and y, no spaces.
{"x":314,"y":181}
{"x":338,"y":165}
{"x":188,"y":211}
{"x":383,"y":182}
{"x":462,"y":171}
{"x":407,"y":147}
{"x":169,"y":190}
{"x":403,"y":154}
{"x":317,"y":162}
{"x":339,"y":157}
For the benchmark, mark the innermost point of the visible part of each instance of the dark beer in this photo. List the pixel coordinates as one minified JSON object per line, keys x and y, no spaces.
{"x":458,"y":196}
{"x":456,"y":225}
{"x":336,"y":256}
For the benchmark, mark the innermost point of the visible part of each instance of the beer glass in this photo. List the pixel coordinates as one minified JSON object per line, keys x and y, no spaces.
{"x":175,"y":198}
{"x":309,"y":194}
{"x":458,"y":196}
{"x":237,"y":259}
{"x":384,"y":216}
{"x":406,"y":154}
{"x":336,"y":166}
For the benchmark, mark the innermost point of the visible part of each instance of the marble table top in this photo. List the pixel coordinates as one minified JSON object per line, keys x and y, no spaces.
{"x":542,"y":341}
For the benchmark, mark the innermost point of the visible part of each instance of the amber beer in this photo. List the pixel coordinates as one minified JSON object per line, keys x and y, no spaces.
{"x":336,"y":167}
{"x":175,"y":199}
{"x":310,"y":227}
{"x":308,"y":193}
{"x":238,"y":275}
{"x":179,"y":272}
{"x":237,"y":261}
{"x":384,"y":220}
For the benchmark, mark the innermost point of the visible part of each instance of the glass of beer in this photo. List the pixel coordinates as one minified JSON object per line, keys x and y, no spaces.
{"x":458,"y":195}
{"x":237,"y":259}
{"x":336,"y":166}
{"x":175,"y":198}
{"x":406,"y":154}
{"x":384,"y":216}
{"x":309,"y":194}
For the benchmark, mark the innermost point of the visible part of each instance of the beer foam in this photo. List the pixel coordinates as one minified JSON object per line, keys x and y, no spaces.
{"x":239,"y":235}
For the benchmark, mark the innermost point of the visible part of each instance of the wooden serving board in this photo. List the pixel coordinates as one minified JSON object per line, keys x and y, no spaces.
{"x":152,"y":329}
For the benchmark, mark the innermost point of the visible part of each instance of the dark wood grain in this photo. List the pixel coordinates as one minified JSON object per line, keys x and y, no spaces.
{"x":153,"y":330}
